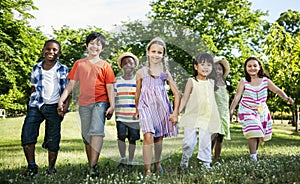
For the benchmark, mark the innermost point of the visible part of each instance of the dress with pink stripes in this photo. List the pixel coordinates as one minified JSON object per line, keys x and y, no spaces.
{"x":254,"y":113}
{"x":154,"y":106}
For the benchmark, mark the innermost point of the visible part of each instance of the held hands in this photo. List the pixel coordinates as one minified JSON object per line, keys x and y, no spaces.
{"x":173,"y":118}
{"x":61,"y":110}
{"x":136,"y":115}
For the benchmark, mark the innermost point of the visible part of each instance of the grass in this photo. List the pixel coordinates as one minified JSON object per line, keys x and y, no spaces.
{"x":279,"y":159}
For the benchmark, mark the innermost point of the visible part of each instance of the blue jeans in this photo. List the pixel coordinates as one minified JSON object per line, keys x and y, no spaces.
{"x":92,"y":120}
{"x":33,"y":120}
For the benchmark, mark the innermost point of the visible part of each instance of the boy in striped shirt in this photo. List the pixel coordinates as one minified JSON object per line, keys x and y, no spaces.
{"x":127,"y":126}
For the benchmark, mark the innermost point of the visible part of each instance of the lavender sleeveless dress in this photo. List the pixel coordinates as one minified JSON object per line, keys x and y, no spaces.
{"x":154,"y":106}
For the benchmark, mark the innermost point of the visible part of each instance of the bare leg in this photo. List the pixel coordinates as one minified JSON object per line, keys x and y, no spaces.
{"x":213,"y":141}
{"x":218,"y":147}
{"x":252,"y":142}
{"x":88,"y":152}
{"x":122,"y":148}
{"x":96,"y":146}
{"x":131,"y":150}
{"x":157,"y":151}
{"x":147,"y":151}
{"x":52,"y":156}
{"x":29,"y":150}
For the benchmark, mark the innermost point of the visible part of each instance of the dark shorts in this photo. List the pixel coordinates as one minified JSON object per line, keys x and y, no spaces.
{"x":33,"y":120}
{"x":131,"y":131}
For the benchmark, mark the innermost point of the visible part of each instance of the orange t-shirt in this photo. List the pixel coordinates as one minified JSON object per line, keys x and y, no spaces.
{"x":92,"y":80}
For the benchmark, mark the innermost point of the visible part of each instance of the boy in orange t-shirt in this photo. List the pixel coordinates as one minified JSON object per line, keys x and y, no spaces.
{"x":96,"y":99}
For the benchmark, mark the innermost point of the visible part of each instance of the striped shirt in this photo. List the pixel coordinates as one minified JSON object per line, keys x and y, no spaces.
{"x":124,"y":99}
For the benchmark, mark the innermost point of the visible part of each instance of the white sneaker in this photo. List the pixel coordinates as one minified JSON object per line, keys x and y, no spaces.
{"x":207,"y":166}
{"x":253,"y":157}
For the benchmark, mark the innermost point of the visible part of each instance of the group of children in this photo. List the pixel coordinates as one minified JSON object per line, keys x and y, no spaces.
{"x":140,"y":101}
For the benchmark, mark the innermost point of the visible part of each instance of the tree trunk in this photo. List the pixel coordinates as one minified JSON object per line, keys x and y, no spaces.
{"x":296,"y":117}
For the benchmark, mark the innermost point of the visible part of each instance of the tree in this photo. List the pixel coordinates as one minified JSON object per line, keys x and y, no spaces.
{"x":227,"y":24}
{"x":290,"y":20}
{"x":283,"y":53}
{"x":20,"y":47}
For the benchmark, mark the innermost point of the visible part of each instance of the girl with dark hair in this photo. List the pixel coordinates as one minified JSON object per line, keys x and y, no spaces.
{"x":201,"y":112}
{"x":253,"y":111}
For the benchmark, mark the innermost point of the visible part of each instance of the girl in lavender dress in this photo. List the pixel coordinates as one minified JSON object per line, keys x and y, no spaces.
{"x":154,"y":110}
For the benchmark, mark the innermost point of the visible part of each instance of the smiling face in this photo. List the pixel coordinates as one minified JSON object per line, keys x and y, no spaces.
{"x":219,"y":70}
{"x":128,"y":65}
{"x":252,"y":67}
{"x":155,"y":53}
{"x":203,"y":69}
{"x":51,"y":51}
{"x":94,"y":47}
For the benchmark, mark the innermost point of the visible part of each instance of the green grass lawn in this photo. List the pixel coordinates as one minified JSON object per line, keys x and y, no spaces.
{"x":279,"y":159}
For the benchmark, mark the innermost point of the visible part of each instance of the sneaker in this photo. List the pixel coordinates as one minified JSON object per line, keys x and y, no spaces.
{"x":94,"y":171}
{"x":31,"y":171}
{"x":50,"y":171}
{"x":217,"y":163}
{"x":253,"y":157}
{"x":122,"y":166}
{"x":183,"y":165}
{"x":148,"y":174}
{"x":161,"y":171}
{"x":207,"y":166}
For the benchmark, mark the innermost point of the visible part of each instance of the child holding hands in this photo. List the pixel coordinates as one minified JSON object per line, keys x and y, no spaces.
{"x":201,"y":112}
{"x":157,"y":118}
{"x":96,"y":99}
{"x":253,"y":111}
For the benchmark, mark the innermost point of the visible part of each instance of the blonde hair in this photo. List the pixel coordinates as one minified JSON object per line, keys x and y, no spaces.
{"x":158,"y":41}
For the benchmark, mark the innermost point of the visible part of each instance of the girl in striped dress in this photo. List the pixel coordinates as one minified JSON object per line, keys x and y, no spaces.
{"x":154,"y":110}
{"x":253,"y":111}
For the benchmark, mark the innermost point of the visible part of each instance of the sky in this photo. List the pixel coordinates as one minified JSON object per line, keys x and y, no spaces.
{"x":107,"y":13}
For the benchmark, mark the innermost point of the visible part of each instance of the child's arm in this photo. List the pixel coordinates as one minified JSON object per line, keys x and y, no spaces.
{"x":64,"y":100}
{"x":186,"y":94}
{"x":110,"y":93}
{"x":138,"y":91}
{"x":237,"y":97}
{"x":279,"y":92}
{"x":174,"y":116}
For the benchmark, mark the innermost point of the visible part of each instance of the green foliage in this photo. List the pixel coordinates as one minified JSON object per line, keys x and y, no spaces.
{"x":19,"y":50}
{"x":283,"y":51}
{"x":227,"y":25}
{"x":290,"y":20}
